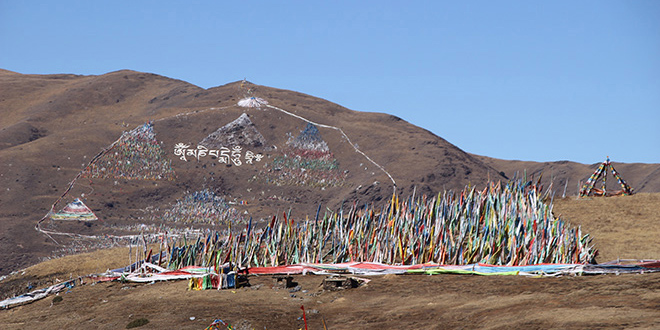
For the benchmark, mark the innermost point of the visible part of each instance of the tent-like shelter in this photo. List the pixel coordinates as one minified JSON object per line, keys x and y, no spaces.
{"x":588,"y":188}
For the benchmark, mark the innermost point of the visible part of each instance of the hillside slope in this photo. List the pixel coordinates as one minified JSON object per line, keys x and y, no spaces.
{"x":53,"y":125}
{"x":293,"y":154}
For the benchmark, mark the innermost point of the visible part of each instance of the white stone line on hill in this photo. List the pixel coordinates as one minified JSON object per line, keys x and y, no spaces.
{"x":194,"y":112}
{"x":106,"y":150}
{"x":49,"y":233}
{"x":342,"y":132}
{"x":136,"y":236}
{"x":303,"y":119}
{"x":71,"y":184}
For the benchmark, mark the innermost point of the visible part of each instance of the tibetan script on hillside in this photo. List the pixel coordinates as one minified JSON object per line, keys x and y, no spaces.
{"x":224,"y":154}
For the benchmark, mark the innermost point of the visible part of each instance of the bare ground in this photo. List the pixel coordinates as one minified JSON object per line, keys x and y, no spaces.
{"x":387,"y":302}
{"x":622,"y":227}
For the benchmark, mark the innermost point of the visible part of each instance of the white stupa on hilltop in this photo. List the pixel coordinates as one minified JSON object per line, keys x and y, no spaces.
{"x":252,"y":102}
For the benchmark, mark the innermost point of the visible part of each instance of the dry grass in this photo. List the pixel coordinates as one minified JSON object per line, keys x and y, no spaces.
{"x":82,"y":264}
{"x":623,"y":227}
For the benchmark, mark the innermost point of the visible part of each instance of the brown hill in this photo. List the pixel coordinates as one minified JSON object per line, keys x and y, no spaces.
{"x":53,"y":125}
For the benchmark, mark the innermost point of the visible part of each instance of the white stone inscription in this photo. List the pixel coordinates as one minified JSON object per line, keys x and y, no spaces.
{"x":224,"y":154}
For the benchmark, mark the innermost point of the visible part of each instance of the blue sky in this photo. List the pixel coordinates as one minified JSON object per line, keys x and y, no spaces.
{"x":563,"y":80}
